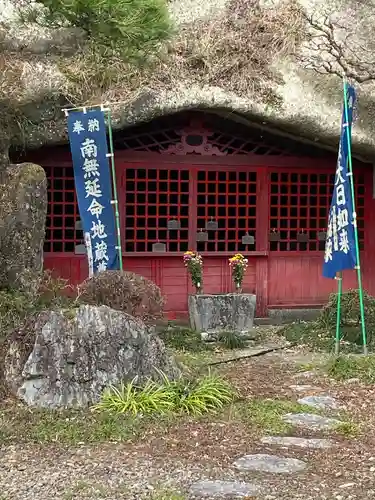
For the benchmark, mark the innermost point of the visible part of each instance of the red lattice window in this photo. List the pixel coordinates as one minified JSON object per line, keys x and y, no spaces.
{"x":299,"y":206}
{"x":62,"y":213}
{"x":153,"y":199}
{"x":226,"y":200}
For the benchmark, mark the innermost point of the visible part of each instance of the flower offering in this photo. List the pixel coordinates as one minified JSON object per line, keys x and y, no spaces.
{"x":238,"y":264}
{"x":194,"y":264}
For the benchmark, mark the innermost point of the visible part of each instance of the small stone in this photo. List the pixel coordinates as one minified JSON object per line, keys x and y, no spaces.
{"x":310,"y":420}
{"x":352,"y":381}
{"x":303,"y":388}
{"x":296,"y":441}
{"x":232,"y":489}
{"x":321,"y":402}
{"x":306,"y":374}
{"x":269,"y":463}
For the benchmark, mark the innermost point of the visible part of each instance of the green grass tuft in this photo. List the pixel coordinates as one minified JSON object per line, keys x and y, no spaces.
{"x":266,"y":414}
{"x":232,"y":340}
{"x":345,"y":367}
{"x":207,"y":394}
{"x":21,"y":424}
{"x":184,"y":339}
{"x":132,"y":399}
{"x":310,"y":334}
{"x":347,"y":429}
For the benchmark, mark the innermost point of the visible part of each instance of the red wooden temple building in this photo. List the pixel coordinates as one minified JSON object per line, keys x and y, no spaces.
{"x":203,"y":181}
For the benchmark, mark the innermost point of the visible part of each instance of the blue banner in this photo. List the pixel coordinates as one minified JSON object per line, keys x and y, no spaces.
{"x":88,"y":144}
{"x":340,"y":251}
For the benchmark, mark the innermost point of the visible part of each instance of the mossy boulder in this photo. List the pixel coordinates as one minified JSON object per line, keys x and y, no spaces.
{"x":66,"y":358}
{"x":23,"y":208}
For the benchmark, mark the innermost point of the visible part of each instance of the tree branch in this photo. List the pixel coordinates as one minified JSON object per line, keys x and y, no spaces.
{"x":332,"y":48}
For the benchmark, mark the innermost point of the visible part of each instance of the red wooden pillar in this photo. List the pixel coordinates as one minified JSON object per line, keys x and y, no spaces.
{"x":193,"y":214}
{"x":367,"y":256}
{"x":262,"y":224}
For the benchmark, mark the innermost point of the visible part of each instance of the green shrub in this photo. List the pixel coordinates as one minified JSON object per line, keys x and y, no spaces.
{"x":311,"y":334}
{"x":124,"y":291}
{"x":129,"y":28}
{"x":350,"y":316}
{"x":320,"y":334}
{"x":181,"y":396}
{"x":15,"y":306}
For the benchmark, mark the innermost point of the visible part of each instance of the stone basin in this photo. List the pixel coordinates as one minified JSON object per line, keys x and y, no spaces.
{"x":211,"y":314}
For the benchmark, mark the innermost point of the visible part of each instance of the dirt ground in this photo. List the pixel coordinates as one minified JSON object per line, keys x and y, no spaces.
{"x":174,"y":455}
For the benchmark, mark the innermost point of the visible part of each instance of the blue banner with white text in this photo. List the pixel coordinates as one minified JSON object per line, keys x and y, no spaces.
{"x":340,"y":251}
{"x":88,"y":144}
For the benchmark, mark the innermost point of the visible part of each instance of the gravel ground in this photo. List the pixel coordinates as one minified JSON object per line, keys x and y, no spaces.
{"x":178,"y":455}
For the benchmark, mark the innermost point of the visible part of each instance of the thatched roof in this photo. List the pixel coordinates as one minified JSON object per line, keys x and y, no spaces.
{"x":231,"y":55}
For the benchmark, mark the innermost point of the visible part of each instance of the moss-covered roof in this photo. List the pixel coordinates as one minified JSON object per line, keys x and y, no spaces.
{"x":226,"y":54}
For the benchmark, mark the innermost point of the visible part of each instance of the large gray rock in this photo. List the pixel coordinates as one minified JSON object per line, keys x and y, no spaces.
{"x":23,"y":208}
{"x":212,"y":314}
{"x":75,"y":354}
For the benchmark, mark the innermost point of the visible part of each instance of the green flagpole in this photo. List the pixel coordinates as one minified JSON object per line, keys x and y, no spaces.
{"x":338,"y":317}
{"x":358,"y":266}
{"x":114,"y":184}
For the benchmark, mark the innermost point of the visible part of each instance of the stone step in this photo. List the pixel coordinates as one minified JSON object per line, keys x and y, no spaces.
{"x":321,"y":402}
{"x":269,"y":463}
{"x":298,"y":442}
{"x":311,"y":421}
{"x":231,"y":489}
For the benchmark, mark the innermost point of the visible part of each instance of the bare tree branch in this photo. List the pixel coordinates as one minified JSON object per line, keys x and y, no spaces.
{"x":336,"y":48}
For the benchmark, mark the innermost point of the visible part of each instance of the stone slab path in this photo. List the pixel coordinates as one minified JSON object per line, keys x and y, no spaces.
{"x":269,"y":463}
{"x":264,"y":467}
{"x":320,"y":402}
{"x":311,"y":421}
{"x":232,"y":489}
{"x":298,"y":442}
{"x":275,"y":464}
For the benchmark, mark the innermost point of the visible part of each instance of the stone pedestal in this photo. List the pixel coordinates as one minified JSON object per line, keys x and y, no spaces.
{"x":212,"y":314}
